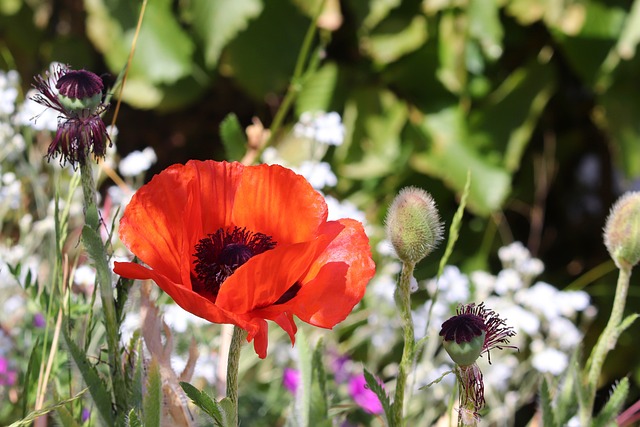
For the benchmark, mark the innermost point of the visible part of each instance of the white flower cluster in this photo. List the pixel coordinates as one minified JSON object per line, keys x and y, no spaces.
{"x":325,"y":128}
{"x":322,"y":130}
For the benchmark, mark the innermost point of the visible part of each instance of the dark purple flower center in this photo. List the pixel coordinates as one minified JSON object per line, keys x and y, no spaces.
{"x":80,"y":84}
{"x":463,"y":328}
{"x":220,"y":254}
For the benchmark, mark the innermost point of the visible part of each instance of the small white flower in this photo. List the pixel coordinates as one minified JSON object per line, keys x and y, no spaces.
{"x":85,"y":276}
{"x":453,"y":286}
{"x":35,"y":116}
{"x":550,"y":360}
{"x":137,"y":162}
{"x":343,"y":209}
{"x":542,"y":298}
{"x":326,"y":128}
{"x":179,"y":319}
{"x":319,"y":174}
{"x":508,"y":280}
{"x":8,"y":91}
{"x":565,"y":333}
{"x":520,"y":319}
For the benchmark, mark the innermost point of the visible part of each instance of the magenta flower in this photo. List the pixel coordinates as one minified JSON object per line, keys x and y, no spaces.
{"x":364,"y":397}
{"x":291,"y":379}
{"x":39,"y":321}
{"x":7,"y":375}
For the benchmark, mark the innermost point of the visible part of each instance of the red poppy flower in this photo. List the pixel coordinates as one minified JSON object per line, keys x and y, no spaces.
{"x":245,"y":244}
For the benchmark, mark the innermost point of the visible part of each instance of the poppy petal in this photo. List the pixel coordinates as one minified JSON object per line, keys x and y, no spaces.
{"x":215,"y":186}
{"x":263,"y":279}
{"x":185,"y":298}
{"x":342,"y":273}
{"x":260,"y":338}
{"x":153,"y":225}
{"x":279,"y":203}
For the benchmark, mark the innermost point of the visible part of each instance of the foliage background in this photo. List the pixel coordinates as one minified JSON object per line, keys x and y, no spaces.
{"x":537,"y":98}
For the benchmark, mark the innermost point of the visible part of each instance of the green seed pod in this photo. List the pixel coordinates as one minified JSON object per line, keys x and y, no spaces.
{"x":622,"y":231}
{"x":413,"y":225}
{"x":465,"y":353}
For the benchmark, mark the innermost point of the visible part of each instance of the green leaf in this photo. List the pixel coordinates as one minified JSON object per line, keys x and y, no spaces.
{"x":379,"y":391}
{"x":97,"y":387}
{"x":152,"y":401}
{"x":454,"y":230}
{"x":319,"y":89}
{"x":548,"y":418}
{"x":311,"y":405}
{"x":567,"y":398}
{"x":65,"y":417}
{"x":485,"y":26}
{"x":27,"y":376}
{"x":216,"y":23}
{"x":612,"y":408}
{"x":450,"y":157}
{"x":319,"y":382}
{"x":35,"y":414}
{"x":233,"y":138}
{"x":303,"y":394}
{"x":163,"y":53}
{"x":203,"y":401}
{"x":626,"y":322}
{"x":395,"y":38}
{"x":133,"y":420}
{"x":373,"y":148}
{"x":262,"y":58}
{"x":630,"y":36}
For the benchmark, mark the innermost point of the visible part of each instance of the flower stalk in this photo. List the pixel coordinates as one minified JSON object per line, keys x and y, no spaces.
{"x":239,"y":337}
{"x":403,"y":301}
{"x":97,"y":252}
{"x":605,"y":343}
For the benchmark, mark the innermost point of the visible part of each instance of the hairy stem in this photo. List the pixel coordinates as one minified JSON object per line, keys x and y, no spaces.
{"x":606,"y":342}
{"x":403,"y":301}
{"x":239,"y":336}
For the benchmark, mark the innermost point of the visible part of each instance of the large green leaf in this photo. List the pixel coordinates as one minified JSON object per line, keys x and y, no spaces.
{"x":163,"y":53}
{"x":450,"y":156}
{"x":395,"y":38}
{"x":262,"y":58}
{"x":374,"y":146}
{"x":319,"y":89}
{"x":216,"y":23}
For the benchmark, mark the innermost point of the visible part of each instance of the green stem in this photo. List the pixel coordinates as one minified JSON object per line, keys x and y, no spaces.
{"x":606,"y":342}
{"x":233,"y":364}
{"x":403,"y":301}
{"x":100,"y":258}
{"x":296,"y":84}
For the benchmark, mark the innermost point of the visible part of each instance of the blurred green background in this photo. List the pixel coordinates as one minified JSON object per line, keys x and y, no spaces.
{"x":538,"y":99}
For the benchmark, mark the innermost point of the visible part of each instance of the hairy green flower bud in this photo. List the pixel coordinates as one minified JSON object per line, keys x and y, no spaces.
{"x":622,"y":231}
{"x":413,"y":224}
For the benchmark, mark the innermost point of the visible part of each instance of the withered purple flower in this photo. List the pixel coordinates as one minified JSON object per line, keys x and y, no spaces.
{"x":77,"y":96}
{"x":473,"y":331}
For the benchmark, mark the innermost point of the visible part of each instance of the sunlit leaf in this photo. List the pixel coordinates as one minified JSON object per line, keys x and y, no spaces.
{"x":218,"y":22}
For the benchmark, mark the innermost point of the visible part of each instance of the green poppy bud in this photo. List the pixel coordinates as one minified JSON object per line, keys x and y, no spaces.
{"x":622,"y":231}
{"x":413,"y":225}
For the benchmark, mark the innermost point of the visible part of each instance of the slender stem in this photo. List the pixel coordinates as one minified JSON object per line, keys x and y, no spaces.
{"x":296,"y":84}
{"x":403,"y":301}
{"x":606,"y":342}
{"x":239,"y":337}
{"x":103,"y":275}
